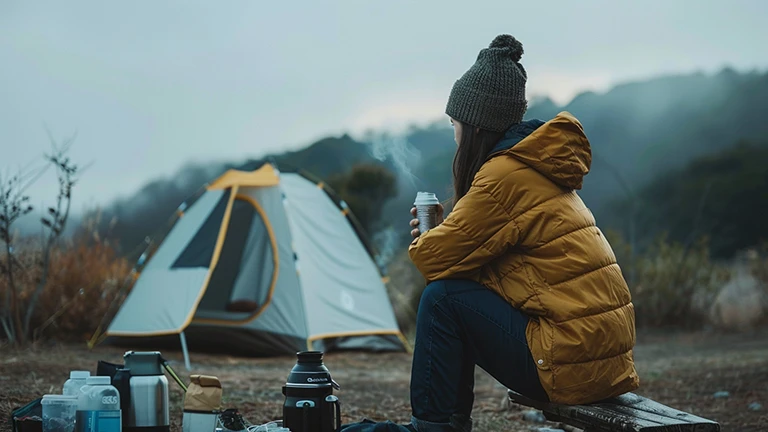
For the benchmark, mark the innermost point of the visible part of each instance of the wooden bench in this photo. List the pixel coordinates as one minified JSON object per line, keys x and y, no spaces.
{"x":626,"y":413}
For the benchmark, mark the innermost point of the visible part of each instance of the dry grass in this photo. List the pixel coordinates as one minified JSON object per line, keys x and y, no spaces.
{"x":682,"y":371}
{"x":675,"y":285}
{"x":84,"y":277}
{"x":758,"y":261}
{"x":404,"y":288}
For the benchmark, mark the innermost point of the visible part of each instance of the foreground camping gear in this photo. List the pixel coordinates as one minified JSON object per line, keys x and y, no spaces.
{"x":98,"y":406}
{"x":626,"y":413}
{"x":202,"y":404}
{"x":75,"y":382}
{"x":310,"y":405}
{"x":147,"y":390}
{"x":59,"y":413}
{"x":28,"y":418}
{"x":274,"y":426}
{"x":230,"y":419}
{"x":261,"y":263}
{"x":129,"y":397}
{"x":141,"y":379}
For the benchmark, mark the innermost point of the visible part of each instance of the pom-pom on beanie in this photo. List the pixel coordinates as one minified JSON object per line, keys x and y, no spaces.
{"x":491,"y":94}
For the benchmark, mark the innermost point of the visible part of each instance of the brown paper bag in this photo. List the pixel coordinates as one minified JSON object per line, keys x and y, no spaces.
{"x":203,"y":394}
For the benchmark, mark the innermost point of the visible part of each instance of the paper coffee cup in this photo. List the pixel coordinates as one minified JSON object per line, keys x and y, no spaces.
{"x":426,"y":210}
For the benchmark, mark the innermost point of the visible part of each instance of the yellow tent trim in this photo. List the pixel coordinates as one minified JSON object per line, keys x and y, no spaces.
{"x":264,"y":176}
{"x":211,"y":267}
{"x":397,"y":333}
{"x":273,"y":282}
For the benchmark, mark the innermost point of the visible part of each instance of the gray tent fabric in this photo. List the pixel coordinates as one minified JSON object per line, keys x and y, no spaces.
{"x":257,"y":264}
{"x":143,"y":312}
{"x":198,"y":251}
{"x":283,"y":245}
{"x":347,"y":291}
{"x":222,"y":282}
{"x":371,"y":343}
{"x":285,"y":312}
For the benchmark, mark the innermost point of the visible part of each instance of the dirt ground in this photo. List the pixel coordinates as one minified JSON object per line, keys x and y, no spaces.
{"x":683,"y":371}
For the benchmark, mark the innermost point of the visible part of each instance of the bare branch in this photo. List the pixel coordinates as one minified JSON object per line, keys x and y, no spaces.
{"x":694,"y":231}
{"x":13,"y":205}
{"x":34,"y":176}
{"x":57,"y":219}
{"x":634,"y":201}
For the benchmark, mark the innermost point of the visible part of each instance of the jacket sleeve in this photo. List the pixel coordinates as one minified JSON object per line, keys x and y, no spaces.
{"x":477,"y":230}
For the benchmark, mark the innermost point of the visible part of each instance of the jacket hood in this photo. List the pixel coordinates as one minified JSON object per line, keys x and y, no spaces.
{"x":558,"y":149}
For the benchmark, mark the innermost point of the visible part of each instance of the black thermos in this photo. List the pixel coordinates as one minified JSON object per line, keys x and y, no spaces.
{"x":310,"y":405}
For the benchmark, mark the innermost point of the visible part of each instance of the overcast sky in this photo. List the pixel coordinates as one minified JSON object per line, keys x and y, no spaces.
{"x":151,"y":85}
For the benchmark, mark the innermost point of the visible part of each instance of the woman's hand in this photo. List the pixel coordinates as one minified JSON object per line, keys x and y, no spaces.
{"x":415,"y":222}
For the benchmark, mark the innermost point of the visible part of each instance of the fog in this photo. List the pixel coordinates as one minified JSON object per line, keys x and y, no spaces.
{"x":150,"y":87}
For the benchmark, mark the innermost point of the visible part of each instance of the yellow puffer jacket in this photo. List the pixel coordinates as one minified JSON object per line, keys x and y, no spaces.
{"x":523,"y":232}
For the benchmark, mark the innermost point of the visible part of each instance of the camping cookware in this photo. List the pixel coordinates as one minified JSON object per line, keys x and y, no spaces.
{"x":147,"y":389}
{"x":310,"y":405}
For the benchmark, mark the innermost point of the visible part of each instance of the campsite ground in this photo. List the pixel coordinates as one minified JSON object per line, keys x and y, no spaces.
{"x":680,"y":370}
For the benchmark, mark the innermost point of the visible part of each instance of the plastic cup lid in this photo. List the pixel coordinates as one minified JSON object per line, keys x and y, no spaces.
{"x":79,"y":374}
{"x":57,"y":397}
{"x":426,"y":198}
{"x":98,"y":380}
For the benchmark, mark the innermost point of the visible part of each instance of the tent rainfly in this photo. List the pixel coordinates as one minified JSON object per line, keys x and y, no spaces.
{"x":262,"y":263}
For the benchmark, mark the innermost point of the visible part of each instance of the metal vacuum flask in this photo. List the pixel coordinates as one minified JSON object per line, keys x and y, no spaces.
{"x":149,"y":411}
{"x":310,"y":405}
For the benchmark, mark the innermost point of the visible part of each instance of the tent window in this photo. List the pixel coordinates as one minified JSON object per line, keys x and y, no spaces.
{"x":199,"y":250}
{"x":242,"y":277}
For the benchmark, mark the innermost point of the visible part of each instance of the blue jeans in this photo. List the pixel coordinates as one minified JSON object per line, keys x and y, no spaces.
{"x":461,"y":324}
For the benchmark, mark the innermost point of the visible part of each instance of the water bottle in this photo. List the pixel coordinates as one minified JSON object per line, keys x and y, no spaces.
{"x":75,"y":381}
{"x":98,"y":406}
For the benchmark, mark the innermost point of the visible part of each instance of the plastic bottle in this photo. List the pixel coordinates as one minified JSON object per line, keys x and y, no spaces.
{"x":98,"y":406}
{"x":75,"y":381}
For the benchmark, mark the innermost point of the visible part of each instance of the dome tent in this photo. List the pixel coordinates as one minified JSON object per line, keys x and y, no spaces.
{"x":262,"y":263}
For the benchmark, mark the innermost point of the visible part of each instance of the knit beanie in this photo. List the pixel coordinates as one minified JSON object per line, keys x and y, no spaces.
{"x":491,"y":94}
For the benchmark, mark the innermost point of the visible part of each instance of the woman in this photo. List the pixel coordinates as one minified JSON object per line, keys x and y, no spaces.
{"x":520,"y":281}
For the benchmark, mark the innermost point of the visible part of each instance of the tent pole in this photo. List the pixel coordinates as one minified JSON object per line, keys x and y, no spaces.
{"x":184,"y":350}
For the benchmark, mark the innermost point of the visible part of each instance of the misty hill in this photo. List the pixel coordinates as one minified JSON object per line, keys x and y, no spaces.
{"x":642,"y":130}
{"x":324,"y":158}
{"x":638,"y":131}
{"x":722,"y":195}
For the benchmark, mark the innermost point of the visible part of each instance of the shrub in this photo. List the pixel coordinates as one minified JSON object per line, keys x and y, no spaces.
{"x":675,"y":284}
{"x":25,"y":272}
{"x":365,"y":188}
{"x":84,"y":277}
{"x":759,"y":262}
{"x":759,"y":267}
{"x":405,"y":287}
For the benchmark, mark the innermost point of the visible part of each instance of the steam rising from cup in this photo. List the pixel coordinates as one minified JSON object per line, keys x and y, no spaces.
{"x":401,"y":152}
{"x":388,"y":242}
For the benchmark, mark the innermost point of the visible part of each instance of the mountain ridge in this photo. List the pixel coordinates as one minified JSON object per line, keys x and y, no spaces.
{"x":638,"y":131}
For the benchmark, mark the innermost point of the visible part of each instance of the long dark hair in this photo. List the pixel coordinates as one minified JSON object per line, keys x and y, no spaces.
{"x":474,"y":148}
